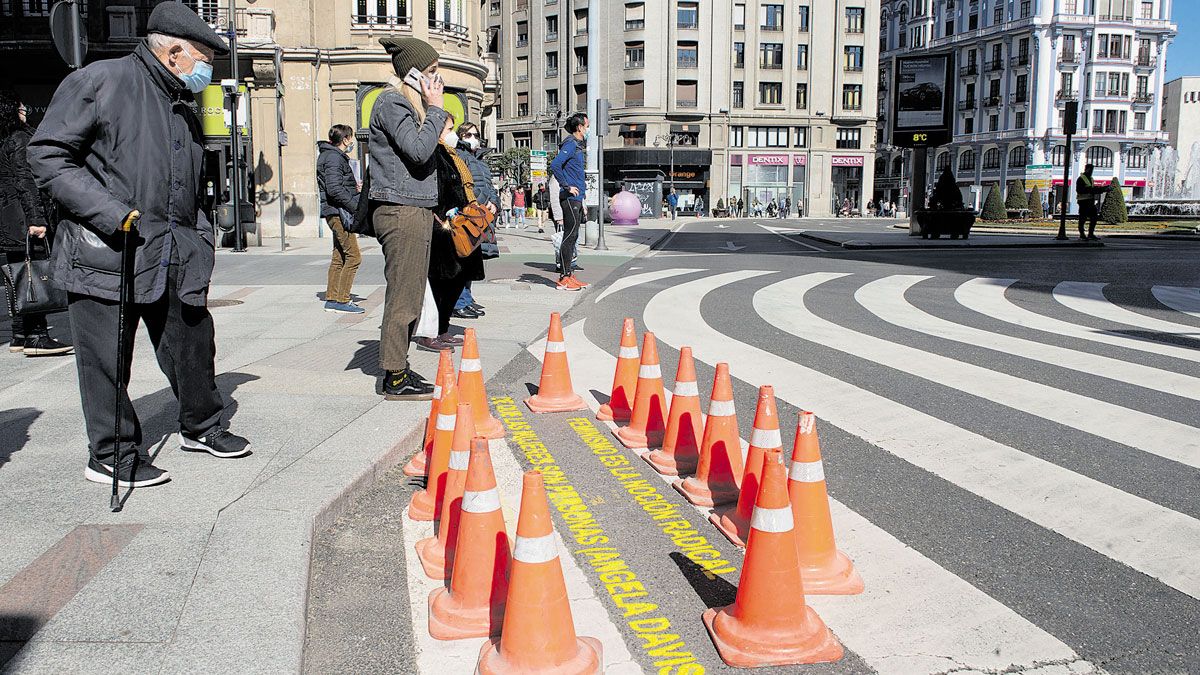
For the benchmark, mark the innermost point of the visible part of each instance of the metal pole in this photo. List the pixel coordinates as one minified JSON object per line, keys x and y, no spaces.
{"x":279,"y":145}
{"x":235,"y":150}
{"x":76,"y":47}
{"x":1062,"y":222}
{"x":600,"y":245}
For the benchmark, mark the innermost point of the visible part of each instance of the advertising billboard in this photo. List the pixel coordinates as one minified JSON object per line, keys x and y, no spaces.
{"x":923,"y":101}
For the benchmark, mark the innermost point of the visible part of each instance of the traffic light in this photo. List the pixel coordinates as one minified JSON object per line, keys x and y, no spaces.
{"x":1071,"y":118}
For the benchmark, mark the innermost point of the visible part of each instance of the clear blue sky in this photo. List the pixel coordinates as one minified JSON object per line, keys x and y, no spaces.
{"x":1183,"y":56}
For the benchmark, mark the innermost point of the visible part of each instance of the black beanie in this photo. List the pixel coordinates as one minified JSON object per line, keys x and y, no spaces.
{"x":409,"y":52}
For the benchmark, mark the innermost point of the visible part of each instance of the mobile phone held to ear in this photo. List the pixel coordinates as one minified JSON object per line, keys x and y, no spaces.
{"x":414,"y":78}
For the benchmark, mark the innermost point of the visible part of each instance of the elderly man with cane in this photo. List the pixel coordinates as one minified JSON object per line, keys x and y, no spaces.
{"x":120,"y":150}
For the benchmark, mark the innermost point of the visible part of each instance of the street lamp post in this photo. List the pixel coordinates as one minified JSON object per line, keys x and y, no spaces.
{"x":670,"y":140}
{"x":235,"y":178}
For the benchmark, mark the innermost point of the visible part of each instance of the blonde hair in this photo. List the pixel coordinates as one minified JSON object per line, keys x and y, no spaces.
{"x":411,"y":95}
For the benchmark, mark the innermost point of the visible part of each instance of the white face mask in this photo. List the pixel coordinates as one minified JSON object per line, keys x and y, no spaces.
{"x":473,"y":143}
{"x":450,"y":139}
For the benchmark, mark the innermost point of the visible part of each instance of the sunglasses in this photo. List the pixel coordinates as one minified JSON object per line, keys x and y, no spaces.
{"x":470,"y":134}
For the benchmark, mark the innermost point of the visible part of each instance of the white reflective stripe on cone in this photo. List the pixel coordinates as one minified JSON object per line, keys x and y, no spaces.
{"x":686,"y":389}
{"x":721,"y":409}
{"x":459,"y":460}
{"x":772,"y":520}
{"x":629,"y":353}
{"x":437,"y":391}
{"x":555,"y":347}
{"x":470,"y":366}
{"x":446,"y":422}
{"x":650,"y":372}
{"x":481,"y":502}
{"x":807,"y":472}
{"x":766,"y":438}
{"x":807,"y":423}
{"x":535,"y":549}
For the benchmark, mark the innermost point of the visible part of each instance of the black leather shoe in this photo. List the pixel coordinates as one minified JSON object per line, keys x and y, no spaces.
{"x":478,"y":308}
{"x":465,"y":313}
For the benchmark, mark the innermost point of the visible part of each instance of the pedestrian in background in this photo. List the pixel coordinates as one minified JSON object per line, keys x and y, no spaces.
{"x":120,"y":149}
{"x":339,"y":192}
{"x":24,"y":223}
{"x":485,"y":192}
{"x":568,"y":168}
{"x":541,"y":203}
{"x":406,"y":128}
{"x":518,"y":206}
{"x":506,"y":206}
{"x":1085,"y":195}
{"x":699,"y":206}
{"x":741,"y":206}
{"x":673,"y":203}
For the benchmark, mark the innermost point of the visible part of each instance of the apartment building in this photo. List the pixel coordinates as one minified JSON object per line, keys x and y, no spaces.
{"x":763,"y":100}
{"x":304,"y":66}
{"x":1181,"y":122}
{"x":1019,"y":62}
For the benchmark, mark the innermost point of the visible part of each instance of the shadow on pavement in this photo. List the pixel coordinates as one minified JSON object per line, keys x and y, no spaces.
{"x":15,"y":631}
{"x":14,"y":433}
{"x":713,"y":592}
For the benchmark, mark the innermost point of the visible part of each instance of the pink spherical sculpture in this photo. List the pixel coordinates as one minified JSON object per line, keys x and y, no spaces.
{"x":626,"y":208}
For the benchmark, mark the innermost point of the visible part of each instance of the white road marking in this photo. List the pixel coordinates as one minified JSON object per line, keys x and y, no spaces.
{"x":1088,"y":298}
{"x":779,"y":232}
{"x":1179,"y":298}
{"x":885,"y":299}
{"x":642,"y":278}
{"x":986,"y":296}
{"x":912,"y":608}
{"x":1136,"y":532}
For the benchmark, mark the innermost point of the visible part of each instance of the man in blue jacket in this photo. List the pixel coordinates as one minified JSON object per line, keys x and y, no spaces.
{"x":568,"y":167}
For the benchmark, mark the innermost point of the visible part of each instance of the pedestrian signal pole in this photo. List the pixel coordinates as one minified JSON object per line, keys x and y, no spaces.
{"x":1070,"y":126}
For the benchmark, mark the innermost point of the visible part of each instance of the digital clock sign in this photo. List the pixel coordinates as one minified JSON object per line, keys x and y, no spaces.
{"x":923,"y":101}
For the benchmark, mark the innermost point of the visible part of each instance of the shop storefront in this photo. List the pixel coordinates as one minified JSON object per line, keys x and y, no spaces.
{"x":687,"y":169}
{"x":846,"y":175}
{"x":770,"y":177}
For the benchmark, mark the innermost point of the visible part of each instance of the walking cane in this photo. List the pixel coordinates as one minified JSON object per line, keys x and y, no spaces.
{"x":115,"y":501}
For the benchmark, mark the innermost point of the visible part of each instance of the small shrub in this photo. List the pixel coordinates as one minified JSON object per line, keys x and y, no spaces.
{"x":993,"y":208}
{"x":946,"y":195}
{"x":1016,"y":200}
{"x":1036,"y":212}
{"x":1114,"y":210}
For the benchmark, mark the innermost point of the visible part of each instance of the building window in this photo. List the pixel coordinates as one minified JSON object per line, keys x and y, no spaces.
{"x":635,"y":94}
{"x":852,"y":96}
{"x":552,"y":100}
{"x":770,"y":56}
{"x":1139,"y":121}
{"x":522,"y":69}
{"x":802,"y":19}
{"x":943,"y":162}
{"x":770,"y":93}
{"x":551,"y":64}
{"x":551,"y":28}
{"x":1147,"y":10}
{"x":739,"y":55}
{"x":767,"y":137}
{"x":1058,"y":156}
{"x":968,"y":125}
{"x":739,"y":16}
{"x":849,"y":139}
{"x":522,"y":141}
{"x":635,"y":16}
{"x":801,"y":57}
{"x":800,"y":137}
{"x":688,"y":15}
{"x":635,"y":54}
{"x":1018,"y":157}
{"x":523,"y":104}
{"x":801,"y":95}
{"x":1137,"y":158}
{"x":994,"y":123}
{"x":549,"y":140}
{"x":685,"y":94}
{"x":687,"y":55}
{"x":522,"y":33}
{"x":771,"y":17}
{"x":384,"y":12}
{"x":855,"y":19}
{"x":991,"y":159}
{"x":852,"y":59}
{"x":739,"y":94}
{"x":966,"y":161}
{"x":1019,"y":120}
{"x":1100,"y":157}
{"x":735,"y":137}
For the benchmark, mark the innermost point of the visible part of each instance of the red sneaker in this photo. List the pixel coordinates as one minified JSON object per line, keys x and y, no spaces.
{"x":564,"y":284}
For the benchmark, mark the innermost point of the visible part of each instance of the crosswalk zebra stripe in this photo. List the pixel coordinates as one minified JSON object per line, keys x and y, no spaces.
{"x":1088,"y":298}
{"x":1178,"y":298}
{"x":885,"y":299}
{"x":1105,"y":519}
{"x":986,"y":296}
{"x":896,"y":626}
{"x":642,"y":278}
{"x":782,"y":305}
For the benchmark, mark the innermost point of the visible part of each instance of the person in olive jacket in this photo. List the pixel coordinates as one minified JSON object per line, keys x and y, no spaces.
{"x":121,"y":138}
{"x":339,"y":200}
{"x":24,"y":224}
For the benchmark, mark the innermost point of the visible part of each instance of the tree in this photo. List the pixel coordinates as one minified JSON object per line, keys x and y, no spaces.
{"x":946,"y":195}
{"x":512,"y":165}
{"x":993,"y":208}
{"x":1016,"y":196}
{"x":1114,"y":210}
{"x":1035,"y":205}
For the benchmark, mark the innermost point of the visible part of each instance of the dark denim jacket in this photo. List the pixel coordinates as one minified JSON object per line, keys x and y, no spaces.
{"x":402,"y":167}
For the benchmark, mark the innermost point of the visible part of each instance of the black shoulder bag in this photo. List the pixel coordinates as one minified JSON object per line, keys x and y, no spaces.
{"x":30,"y":290}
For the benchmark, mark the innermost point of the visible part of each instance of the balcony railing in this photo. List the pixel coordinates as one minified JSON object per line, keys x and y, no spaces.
{"x":1072,"y":58}
{"x":551,"y":71}
{"x":686,"y":103}
{"x":1021,"y":97}
{"x":993,"y":66}
{"x":991,"y":102}
{"x":967,"y":104}
{"x":688,"y":25}
{"x":635,"y":24}
{"x":969,"y":70}
{"x":688,"y":62}
{"x":522,"y":78}
{"x":771,"y":26}
{"x":1143,"y":99}
{"x":1019,"y":61}
{"x":770,"y":66}
{"x":1149,"y":62}
{"x":551,"y":36}
{"x":854,"y":68}
{"x":635,"y":102}
{"x":455,"y":29}
{"x":1064,"y":95}
{"x":523,"y":41}
{"x":581,"y":68}
{"x":630,"y":65}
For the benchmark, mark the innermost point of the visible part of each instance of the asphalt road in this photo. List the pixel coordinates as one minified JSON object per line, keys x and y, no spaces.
{"x":1010,"y":440}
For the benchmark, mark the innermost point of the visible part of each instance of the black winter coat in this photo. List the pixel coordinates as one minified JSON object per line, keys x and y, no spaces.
{"x":336,"y":181}
{"x":444,"y":262}
{"x":20,"y":201}
{"x":119,"y":135}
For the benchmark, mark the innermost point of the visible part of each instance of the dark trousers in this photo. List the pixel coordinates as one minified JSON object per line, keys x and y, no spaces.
{"x":573,"y":219}
{"x":183,"y":341}
{"x":1088,"y":212}
{"x":33,"y":325}
{"x":445,"y":295}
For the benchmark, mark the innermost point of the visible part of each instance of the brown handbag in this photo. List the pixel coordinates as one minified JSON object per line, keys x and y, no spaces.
{"x":468,"y":226}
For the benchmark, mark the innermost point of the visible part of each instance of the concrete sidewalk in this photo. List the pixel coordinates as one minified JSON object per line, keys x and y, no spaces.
{"x":209,"y":573}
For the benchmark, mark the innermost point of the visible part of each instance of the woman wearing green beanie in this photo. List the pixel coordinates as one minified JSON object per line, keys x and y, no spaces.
{"x":406,"y":125}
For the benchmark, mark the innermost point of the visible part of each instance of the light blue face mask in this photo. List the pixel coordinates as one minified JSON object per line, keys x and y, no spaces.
{"x":199,"y":78}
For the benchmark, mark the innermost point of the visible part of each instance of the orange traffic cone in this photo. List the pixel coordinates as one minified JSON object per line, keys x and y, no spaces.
{"x":555,"y":393}
{"x":416,"y":465}
{"x":427,"y":504}
{"x":473,"y":605}
{"x":768,"y":623}
{"x":437,"y":552}
{"x":826,"y":570}
{"x":620,"y":403}
{"x":685,"y":425}
{"x":649,"y":422}
{"x":471,"y":390}
{"x":765,"y":445}
{"x":720,"y":466}
{"x":538,"y":634}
